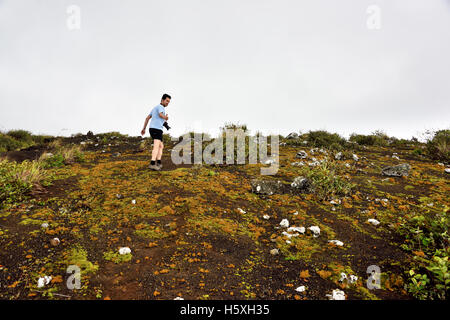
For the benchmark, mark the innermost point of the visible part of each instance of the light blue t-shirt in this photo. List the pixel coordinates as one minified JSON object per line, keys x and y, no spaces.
{"x":156,"y":121}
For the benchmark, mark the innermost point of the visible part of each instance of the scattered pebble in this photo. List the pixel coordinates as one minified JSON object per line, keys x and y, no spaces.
{"x":300,"y":289}
{"x":274,"y":252}
{"x":336,"y":294}
{"x":124,"y":250}
{"x":315,"y":230}
{"x":447,"y":170}
{"x":355,"y":157}
{"x":296,"y":229}
{"x":133,"y":201}
{"x":375,"y":222}
{"x":55,"y":242}
{"x":241,"y":211}
{"x":266,"y":217}
{"x":44,"y":281}
{"x":178,"y":298}
{"x":284,"y":223}
{"x":336,"y":243}
{"x":44,"y":225}
{"x":343,"y":277}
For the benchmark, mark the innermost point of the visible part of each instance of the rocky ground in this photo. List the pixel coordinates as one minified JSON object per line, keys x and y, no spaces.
{"x":215,"y":231}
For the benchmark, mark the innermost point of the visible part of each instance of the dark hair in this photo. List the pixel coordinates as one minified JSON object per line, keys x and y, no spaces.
{"x":165,"y":95}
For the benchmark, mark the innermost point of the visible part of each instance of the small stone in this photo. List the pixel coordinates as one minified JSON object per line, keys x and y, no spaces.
{"x":44,"y":225}
{"x":301,"y":154}
{"x":124,"y":250}
{"x":266,"y":217}
{"x":300,"y":289}
{"x":353,"y":278}
{"x":447,"y":170}
{"x":274,"y":252}
{"x":297,"y":229}
{"x":133,"y":201}
{"x":54,"y":242}
{"x":375,"y":222}
{"x":343,"y":277}
{"x":355,"y":157}
{"x":336,"y":243}
{"x":284,"y":223}
{"x":337,"y":294}
{"x":315,"y":230}
{"x":44,"y":281}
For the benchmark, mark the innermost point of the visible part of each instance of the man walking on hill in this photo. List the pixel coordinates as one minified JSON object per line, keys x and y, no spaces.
{"x":158,"y":116}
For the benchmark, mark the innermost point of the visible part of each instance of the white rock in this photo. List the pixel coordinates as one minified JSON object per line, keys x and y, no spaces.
{"x":347,"y":165}
{"x":343,"y":277}
{"x":336,"y":242}
{"x":284,"y":233}
{"x":284,"y":223}
{"x":337,"y":294}
{"x":315,"y":230}
{"x":178,"y":298}
{"x":447,"y":170}
{"x":375,"y":222}
{"x":274,"y":252}
{"x":300,"y":289}
{"x":296,"y":229}
{"x":395,"y":157}
{"x":241,"y":211}
{"x":124,"y":250}
{"x":335,"y":202}
{"x":353,"y":278}
{"x":441,"y":164}
{"x":266,"y":217}
{"x":44,"y":225}
{"x":44,"y":281}
{"x":133,"y":201}
{"x":295,"y":213}
{"x":355,"y":157}
{"x":288,"y":241}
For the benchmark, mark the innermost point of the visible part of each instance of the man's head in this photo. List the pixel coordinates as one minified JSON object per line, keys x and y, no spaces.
{"x":165,"y":99}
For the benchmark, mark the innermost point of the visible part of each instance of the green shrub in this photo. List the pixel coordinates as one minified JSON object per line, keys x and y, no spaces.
{"x":325,"y":139}
{"x":438,"y":147}
{"x":54,"y":161}
{"x":21,"y":135}
{"x":17,"y":179}
{"x":377,"y":138}
{"x":427,"y":232}
{"x":8,"y":143}
{"x":327,"y":180}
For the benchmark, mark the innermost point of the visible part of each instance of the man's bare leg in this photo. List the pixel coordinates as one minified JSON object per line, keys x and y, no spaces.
{"x":155,"y":150}
{"x":160,"y":151}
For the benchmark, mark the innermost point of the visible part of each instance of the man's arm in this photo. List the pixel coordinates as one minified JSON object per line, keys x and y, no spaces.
{"x":163,"y":116}
{"x":145,"y":124}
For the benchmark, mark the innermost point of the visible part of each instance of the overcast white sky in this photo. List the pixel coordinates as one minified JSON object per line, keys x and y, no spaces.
{"x":278,"y":66}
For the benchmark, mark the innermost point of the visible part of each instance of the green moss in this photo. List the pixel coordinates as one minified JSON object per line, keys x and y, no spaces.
{"x":116,"y":257}
{"x":365,"y":294}
{"x":78,"y":256}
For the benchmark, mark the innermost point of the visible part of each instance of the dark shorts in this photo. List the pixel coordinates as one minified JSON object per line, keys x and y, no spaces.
{"x":156,"y":133}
